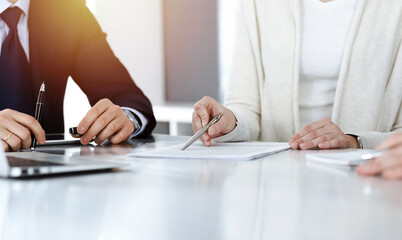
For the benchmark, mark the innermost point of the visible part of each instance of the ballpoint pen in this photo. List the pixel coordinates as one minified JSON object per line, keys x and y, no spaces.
{"x":367,"y":157}
{"x":38,"y":110}
{"x":373,"y":155}
{"x":198,"y":134}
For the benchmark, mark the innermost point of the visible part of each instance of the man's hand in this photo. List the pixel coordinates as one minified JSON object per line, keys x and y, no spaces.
{"x":105,"y":121}
{"x":390,"y":164}
{"x":206,"y":109}
{"x":16,"y":129}
{"x":323,"y":134}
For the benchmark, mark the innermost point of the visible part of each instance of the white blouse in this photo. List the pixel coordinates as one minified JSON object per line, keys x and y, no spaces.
{"x":325,"y":27}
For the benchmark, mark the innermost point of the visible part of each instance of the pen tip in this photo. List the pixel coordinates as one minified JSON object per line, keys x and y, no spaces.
{"x":42,"y":87}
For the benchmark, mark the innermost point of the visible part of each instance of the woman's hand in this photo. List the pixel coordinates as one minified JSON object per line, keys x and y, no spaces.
{"x":390,"y":164}
{"x":16,"y":129}
{"x":206,"y":109}
{"x":323,"y":134}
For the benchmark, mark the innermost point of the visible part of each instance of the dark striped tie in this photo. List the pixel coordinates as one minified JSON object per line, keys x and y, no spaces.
{"x":15,"y":76}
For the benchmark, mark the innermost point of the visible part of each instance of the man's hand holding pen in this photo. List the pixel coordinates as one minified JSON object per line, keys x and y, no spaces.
{"x":16,"y":129}
{"x":103,"y":121}
{"x":19,"y":130}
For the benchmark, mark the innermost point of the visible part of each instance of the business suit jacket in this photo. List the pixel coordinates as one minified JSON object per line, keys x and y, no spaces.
{"x":66,"y":40}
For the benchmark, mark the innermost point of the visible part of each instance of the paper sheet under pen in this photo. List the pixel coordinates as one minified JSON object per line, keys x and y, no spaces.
{"x":218,"y":151}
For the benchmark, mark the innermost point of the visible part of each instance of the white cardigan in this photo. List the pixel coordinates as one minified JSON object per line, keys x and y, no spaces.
{"x":263,"y":91}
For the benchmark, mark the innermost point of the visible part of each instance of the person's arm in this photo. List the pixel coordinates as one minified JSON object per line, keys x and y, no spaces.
{"x":326,"y":134}
{"x":102,"y":76}
{"x":240,"y":119}
{"x":243,"y":94}
{"x":371,"y":139}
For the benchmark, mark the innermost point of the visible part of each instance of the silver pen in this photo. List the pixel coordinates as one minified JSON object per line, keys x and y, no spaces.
{"x":367,"y":157}
{"x":373,"y":155}
{"x":198,"y":134}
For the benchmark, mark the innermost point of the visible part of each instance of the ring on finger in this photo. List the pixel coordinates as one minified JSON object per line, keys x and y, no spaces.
{"x":8,"y":136}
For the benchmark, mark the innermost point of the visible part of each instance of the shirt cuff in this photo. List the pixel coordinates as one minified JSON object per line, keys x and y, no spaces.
{"x":230,"y":137}
{"x":238,"y":134}
{"x":144,"y":121}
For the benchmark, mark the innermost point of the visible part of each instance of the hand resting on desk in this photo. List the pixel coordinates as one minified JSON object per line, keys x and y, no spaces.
{"x":104,"y":121}
{"x":323,"y":134}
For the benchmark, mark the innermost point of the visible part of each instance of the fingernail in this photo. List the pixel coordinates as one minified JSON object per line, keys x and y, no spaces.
{"x":84,"y":140}
{"x":294,"y":145}
{"x":82,"y":130}
{"x":205,"y":137}
{"x":303,"y":145}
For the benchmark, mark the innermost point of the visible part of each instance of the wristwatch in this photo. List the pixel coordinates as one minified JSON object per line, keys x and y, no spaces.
{"x":134,"y":119}
{"x":358,"y":140}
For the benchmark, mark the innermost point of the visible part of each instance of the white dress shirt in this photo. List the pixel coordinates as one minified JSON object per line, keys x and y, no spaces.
{"x":23,"y":33}
{"x":325,"y":27}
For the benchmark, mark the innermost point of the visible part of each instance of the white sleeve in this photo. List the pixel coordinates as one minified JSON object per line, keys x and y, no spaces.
{"x":243,"y":93}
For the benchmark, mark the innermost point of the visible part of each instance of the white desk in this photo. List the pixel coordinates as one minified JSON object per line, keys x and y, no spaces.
{"x":277,"y":197}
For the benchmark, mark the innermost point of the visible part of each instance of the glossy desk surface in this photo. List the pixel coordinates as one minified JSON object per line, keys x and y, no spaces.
{"x":277,"y":197}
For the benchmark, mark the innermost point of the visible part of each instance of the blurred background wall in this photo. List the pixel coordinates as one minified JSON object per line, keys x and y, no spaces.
{"x":191,"y":49}
{"x":177,"y":51}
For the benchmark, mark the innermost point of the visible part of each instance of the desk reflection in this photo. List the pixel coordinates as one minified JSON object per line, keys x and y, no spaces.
{"x":276,"y":197}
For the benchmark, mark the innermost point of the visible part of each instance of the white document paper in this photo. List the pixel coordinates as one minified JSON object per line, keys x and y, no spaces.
{"x":241,"y":151}
{"x":351,"y":158}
